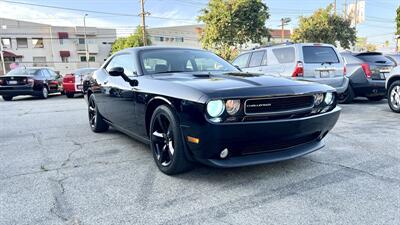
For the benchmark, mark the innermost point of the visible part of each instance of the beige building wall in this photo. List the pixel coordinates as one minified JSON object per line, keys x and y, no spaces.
{"x":99,"y":43}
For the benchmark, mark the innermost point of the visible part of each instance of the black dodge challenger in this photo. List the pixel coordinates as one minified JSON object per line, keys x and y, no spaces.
{"x":190,"y":105}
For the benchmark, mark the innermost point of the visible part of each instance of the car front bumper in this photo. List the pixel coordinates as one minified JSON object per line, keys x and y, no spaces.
{"x":251,"y":143}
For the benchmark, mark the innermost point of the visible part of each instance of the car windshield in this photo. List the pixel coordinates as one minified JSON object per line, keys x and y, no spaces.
{"x":319,"y":54}
{"x":23,"y":71}
{"x":182,"y":60}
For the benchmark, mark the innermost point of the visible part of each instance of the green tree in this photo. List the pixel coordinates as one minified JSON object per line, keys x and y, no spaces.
{"x":231,"y":23}
{"x":398,"y":21}
{"x":134,"y":40}
{"x":325,"y":27}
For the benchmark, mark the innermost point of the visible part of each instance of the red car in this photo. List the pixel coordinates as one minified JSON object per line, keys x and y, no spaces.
{"x":73,"y":83}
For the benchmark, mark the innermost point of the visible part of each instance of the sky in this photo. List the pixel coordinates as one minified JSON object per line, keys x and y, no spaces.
{"x":378,"y":27}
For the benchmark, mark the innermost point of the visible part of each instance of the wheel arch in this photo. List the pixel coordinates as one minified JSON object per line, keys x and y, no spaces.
{"x":152,"y":105}
{"x":391,"y":80}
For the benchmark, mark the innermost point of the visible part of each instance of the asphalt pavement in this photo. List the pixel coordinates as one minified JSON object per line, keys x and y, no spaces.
{"x":54,"y":170}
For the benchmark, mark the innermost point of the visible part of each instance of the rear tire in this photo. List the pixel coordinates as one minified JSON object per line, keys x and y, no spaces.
{"x":348,"y":96}
{"x":96,"y":120}
{"x":69,"y":95}
{"x":166,"y":142}
{"x":376,"y":98}
{"x":394,"y":96}
{"x":7,"y":98}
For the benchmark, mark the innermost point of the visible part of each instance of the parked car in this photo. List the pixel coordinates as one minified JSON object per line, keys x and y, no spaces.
{"x":190,"y":105}
{"x":395,"y":58}
{"x":73,"y":83}
{"x":302,"y":61}
{"x":367,"y":72}
{"x":33,"y":81}
{"x":393,"y":87}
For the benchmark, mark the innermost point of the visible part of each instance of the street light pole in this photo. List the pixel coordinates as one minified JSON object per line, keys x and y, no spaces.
{"x":86,"y":44}
{"x":284,"y":21}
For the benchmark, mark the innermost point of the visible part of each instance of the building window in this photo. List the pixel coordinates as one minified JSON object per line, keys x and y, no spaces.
{"x":37,"y":42}
{"x":179,"y":39}
{"x":22,"y":42}
{"x":64,"y":59}
{"x":91,"y":58}
{"x":81,"y":41}
{"x":6,"y":42}
{"x":39,"y":61}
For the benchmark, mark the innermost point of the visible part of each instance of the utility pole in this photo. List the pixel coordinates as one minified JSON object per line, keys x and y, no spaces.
{"x":86,"y":44}
{"x":284,"y":21}
{"x":1,"y":52}
{"x":143,"y":14}
{"x":345,"y":9}
{"x":355,"y":15}
{"x":334,"y":5}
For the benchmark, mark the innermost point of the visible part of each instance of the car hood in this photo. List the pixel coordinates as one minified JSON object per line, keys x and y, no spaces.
{"x":242,"y":84}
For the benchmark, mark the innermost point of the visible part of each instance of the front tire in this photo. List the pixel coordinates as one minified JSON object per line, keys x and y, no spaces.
{"x":394,"y":96}
{"x":45,"y":93}
{"x":166,"y":142}
{"x":7,"y":98}
{"x":96,"y":121}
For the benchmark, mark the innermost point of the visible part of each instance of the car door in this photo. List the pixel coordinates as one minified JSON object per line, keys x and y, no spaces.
{"x":120,"y":98}
{"x":255,"y":62}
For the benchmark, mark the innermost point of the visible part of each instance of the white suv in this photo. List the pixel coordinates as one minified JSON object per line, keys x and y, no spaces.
{"x":320,"y":63}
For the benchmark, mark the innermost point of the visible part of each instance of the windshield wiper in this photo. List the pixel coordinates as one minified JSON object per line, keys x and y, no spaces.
{"x":330,"y":63}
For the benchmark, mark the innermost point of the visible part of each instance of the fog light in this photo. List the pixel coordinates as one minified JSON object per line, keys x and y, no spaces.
{"x":224,"y":153}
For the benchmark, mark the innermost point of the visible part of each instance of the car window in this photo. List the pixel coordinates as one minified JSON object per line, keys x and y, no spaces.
{"x":351,"y":59}
{"x":319,"y":54}
{"x":23,"y":71}
{"x":374,"y":58}
{"x":45,"y":74}
{"x":125,"y":61}
{"x":241,"y":61}
{"x":177,"y":60}
{"x":256,"y":58}
{"x":284,"y":55}
{"x":264,"y":61}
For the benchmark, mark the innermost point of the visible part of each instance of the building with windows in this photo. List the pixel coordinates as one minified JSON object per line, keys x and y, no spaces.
{"x":58,"y":47}
{"x":189,"y":36}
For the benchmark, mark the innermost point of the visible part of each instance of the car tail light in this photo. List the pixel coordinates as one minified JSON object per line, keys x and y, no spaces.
{"x":344,"y":70}
{"x":299,"y":70}
{"x":366,"y":69}
{"x":30,"y":81}
{"x":69,"y":78}
{"x":1,"y":82}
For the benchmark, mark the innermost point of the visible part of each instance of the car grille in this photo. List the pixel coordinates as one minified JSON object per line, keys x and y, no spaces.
{"x":278,"y":105}
{"x":272,"y":145}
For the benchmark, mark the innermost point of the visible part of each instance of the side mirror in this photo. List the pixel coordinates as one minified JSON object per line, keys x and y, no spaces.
{"x":119,"y":72}
{"x":237,"y":67}
{"x":116,"y":71}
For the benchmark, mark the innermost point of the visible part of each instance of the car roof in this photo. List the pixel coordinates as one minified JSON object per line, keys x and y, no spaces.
{"x":143,"y":48}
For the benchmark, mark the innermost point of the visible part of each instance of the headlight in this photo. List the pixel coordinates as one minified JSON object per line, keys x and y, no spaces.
{"x":318,"y":98}
{"x":215,"y":108}
{"x":328,"y":98}
{"x":232,"y":106}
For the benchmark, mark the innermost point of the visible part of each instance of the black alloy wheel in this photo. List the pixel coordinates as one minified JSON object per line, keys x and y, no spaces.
{"x":96,"y":121}
{"x":166,"y":142}
{"x":348,"y":96}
